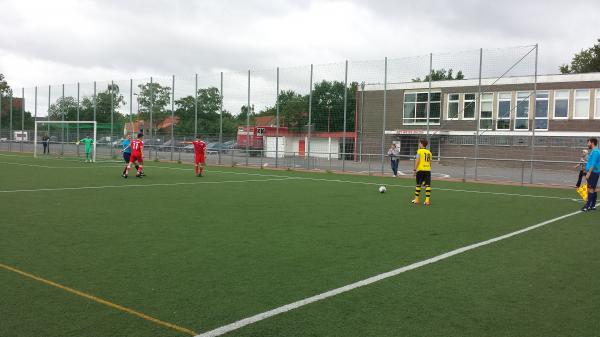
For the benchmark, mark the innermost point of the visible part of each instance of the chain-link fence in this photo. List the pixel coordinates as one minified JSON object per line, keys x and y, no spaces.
{"x":482,"y":111}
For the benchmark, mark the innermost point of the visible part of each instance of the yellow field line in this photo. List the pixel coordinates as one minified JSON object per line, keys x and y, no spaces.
{"x":99,"y":300}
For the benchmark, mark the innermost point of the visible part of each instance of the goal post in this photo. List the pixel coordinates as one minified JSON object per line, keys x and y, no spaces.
{"x":55,"y":130}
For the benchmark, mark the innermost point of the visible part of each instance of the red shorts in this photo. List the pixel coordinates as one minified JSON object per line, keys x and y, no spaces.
{"x":136,"y":158}
{"x":199,"y":159}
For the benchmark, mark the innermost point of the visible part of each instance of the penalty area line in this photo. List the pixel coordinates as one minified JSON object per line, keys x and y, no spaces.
{"x":295,"y":305}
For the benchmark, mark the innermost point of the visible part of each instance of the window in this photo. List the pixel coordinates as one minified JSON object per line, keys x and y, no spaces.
{"x":415,"y":108}
{"x":541,"y":110}
{"x":582,"y":104}
{"x":597,"y":113}
{"x":504,"y":109}
{"x":453,"y":106}
{"x":469,"y":106}
{"x":561,"y":104}
{"x":485,"y":117}
{"x":522,"y":116}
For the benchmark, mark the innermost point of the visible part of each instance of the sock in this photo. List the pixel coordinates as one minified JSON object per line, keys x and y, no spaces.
{"x":417,"y":193}
{"x":127,"y":169}
{"x":589,"y":200}
{"x":594,"y":197}
{"x":427,"y":193}
{"x":201,"y":169}
{"x":139,"y":169}
{"x":196,"y":169}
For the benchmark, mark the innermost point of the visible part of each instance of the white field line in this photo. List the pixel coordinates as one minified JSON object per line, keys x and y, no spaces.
{"x":285,"y":308}
{"x":60,"y":167}
{"x":143,"y":185}
{"x":313,"y":179}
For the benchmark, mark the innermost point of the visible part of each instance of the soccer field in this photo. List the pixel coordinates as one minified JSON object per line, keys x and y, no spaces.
{"x":84,"y":252}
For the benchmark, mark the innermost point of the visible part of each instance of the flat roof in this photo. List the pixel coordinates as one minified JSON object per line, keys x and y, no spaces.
{"x":560,"y":78}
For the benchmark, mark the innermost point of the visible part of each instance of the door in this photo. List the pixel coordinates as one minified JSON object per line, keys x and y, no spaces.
{"x":301,"y":147}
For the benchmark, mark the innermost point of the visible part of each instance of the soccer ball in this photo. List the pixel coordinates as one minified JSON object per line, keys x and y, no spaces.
{"x":382,"y":189}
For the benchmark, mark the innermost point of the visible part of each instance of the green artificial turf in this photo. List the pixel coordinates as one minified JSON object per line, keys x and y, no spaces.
{"x":204,"y":252}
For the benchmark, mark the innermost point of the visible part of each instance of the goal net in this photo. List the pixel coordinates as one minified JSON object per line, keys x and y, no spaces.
{"x":64,"y":138}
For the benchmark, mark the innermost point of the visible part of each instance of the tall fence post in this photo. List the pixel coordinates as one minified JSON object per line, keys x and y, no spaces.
{"x":221,"y":121}
{"x":309,"y":114}
{"x":10,"y":121}
{"x":248,"y":122}
{"x":131,"y":104}
{"x":35,"y":106}
{"x":196,"y":106}
{"x":1,"y":98}
{"x":77,"y":132}
{"x":464,"y":169}
{"x":173,"y":117}
{"x":345,"y":111}
{"x":362,"y":119}
{"x":535,"y":79}
{"x":429,"y":96}
{"x":478,"y":113}
{"x":48,"y":114}
{"x":385,"y":73}
{"x":154,"y":143}
{"x":62,"y":127}
{"x":22,"y":115}
{"x":277,"y":122}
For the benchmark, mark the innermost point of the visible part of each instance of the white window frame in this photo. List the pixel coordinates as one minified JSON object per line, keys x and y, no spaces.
{"x":416,"y":102}
{"x":451,"y":101}
{"x":535,"y":117}
{"x":473,"y":102}
{"x":597,"y":105}
{"x":527,"y":95}
{"x":510,"y":109}
{"x":575,"y":99}
{"x":491,"y":118}
{"x":562,"y":98}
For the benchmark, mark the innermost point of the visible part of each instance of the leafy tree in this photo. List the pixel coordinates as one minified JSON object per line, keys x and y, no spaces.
{"x":153,"y":96}
{"x":441,"y":75}
{"x":66,"y":106}
{"x":328,"y":106}
{"x":209,"y":113}
{"x":293,"y":110}
{"x":5,"y":92}
{"x":107,"y":102}
{"x":5,"y":89}
{"x":586,"y":61}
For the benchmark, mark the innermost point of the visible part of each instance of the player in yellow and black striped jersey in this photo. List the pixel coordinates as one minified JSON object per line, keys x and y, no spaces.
{"x":422,"y":172}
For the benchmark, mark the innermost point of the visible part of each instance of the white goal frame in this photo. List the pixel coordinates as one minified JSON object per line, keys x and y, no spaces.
{"x":35,"y":134}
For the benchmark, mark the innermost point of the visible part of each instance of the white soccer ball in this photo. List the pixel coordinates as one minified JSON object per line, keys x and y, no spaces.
{"x":382,"y":189}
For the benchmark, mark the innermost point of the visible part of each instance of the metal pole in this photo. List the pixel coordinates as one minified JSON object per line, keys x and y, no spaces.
{"x":78,"y":93}
{"x":248,"y":122}
{"x":309,"y":114}
{"x":196,"y":106}
{"x":173,"y":117}
{"x":62,"y":127}
{"x":478,"y":114}
{"x":221,"y":121}
{"x":385,"y":69}
{"x":48,"y":113}
{"x":429,"y":95}
{"x":1,"y":98}
{"x":34,"y":134}
{"x":277,"y":122}
{"x":10,"y":130}
{"x":151,"y":126}
{"x":112,"y":110}
{"x":362,"y":118}
{"x":534,"y":112}
{"x":345,"y":112}
{"x":94,"y":101}
{"x":131,"y":104}
{"x":22,"y":116}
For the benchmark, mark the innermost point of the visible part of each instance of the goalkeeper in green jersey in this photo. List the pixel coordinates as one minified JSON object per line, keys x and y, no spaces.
{"x":88,"y":142}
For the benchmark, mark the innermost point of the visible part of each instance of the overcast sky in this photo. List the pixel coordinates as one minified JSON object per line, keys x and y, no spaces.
{"x":52,"y":42}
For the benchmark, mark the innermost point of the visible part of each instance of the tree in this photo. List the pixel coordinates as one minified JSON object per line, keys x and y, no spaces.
{"x":328,"y":106}
{"x":441,"y":75}
{"x":209,"y":113}
{"x":5,"y":92}
{"x":586,"y":61}
{"x":153,"y":96}
{"x":66,"y":106}
{"x":5,"y":89}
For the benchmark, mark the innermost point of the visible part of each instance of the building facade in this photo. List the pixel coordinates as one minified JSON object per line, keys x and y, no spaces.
{"x":555,"y":114}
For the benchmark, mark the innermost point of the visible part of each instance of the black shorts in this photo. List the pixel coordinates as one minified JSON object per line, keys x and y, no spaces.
{"x":592,"y":182}
{"x":126,"y":156}
{"x":424,"y":177}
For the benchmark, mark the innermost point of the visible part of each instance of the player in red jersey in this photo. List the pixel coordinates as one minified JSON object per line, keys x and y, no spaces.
{"x":200,"y":150}
{"x":137,"y":155}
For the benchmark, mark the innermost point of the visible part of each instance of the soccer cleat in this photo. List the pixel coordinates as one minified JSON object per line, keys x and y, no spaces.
{"x":138,"y":175}
{"x":593,"y":208}
{"x":426,"y":203}
{"x":584,"y":209}
{"x":415,"y":201}
{"x":125,"y":176}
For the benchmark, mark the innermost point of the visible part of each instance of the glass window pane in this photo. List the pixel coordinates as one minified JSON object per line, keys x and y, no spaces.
{"x":469,"y":97}
{"x":453,"y":110}
{"x":582,"y":108}
{"x":436,"y":96}
{"x":521,"y":124}
{"x":541,"y":124}
{"x":485,"y":124}
{"x":409,"y":110}
{"x":504,"y":109}
{"x":504,"y":96}
{"x":561,"y":94}
{"x":541,"y":108}
{"x":597,"y":114}
{"x":561,"y":108}
{"x":421,"y":111}
{"x":453,"y":97}
{"x":469,"y":110}
{"x":522,"y":95}
{"x":503,"y":124}
{"x":410,"y":97}
{"x":582,"y":93}
{"x":523,"y":109}
{"x":487,"y":97}
{"x":541,"y":94}
{"x":434,"y":111}
{"x":422,"y":97}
